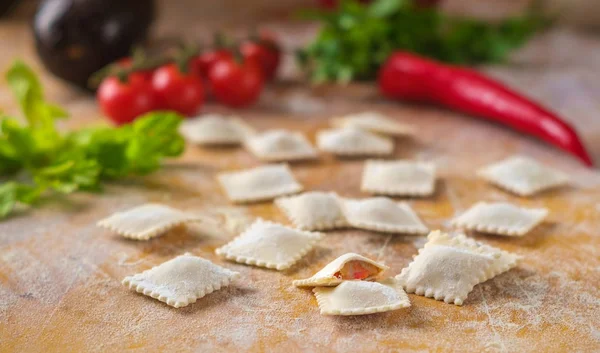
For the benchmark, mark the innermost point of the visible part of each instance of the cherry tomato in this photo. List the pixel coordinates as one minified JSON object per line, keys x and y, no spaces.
{"x":178,"y":91}
{"x":122,"y":102}
{"x":205,"y":61}
{"x":264,"y":51}
{"x":236,"y":84}
{"x":328,"y":4}
{"x":127,"y":62}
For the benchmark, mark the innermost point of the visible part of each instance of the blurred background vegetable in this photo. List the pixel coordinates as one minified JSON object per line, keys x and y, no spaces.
{"x":6,"y":5}
{"x":355,"y":39}
{"x":75,"y":38}
{"x":181,"y":76}
{"x":410,"y":77}
{"x":37,"y":160}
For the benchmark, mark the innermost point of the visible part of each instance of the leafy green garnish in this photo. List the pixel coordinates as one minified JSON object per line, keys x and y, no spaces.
{"x":356,"y":39}
{"x":36,"y":159}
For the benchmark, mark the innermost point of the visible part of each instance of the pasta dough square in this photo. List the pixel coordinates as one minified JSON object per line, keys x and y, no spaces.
{"x":447,"y":268}
{"x":522,"y":176}
{"x":313,"y":210}
{"x":146,"y":221}
{"x":361,"y":298}
{"x":259,"y":184}
{"x":500,"y":218}
{"x":349,"y":266}
{"x":354,"y":142}
{"x":280,"y":145}
{"x":214,"y":129}
{"x":398,"y":178}
{"x":270,"y":245}
{"x":381,"y":214}
{"x":374,"y":122}
{"x":181,"y":281}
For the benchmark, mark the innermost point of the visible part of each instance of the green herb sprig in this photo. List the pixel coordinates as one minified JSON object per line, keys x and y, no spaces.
{"x":37,"y":160}
{"x":356,"y":39}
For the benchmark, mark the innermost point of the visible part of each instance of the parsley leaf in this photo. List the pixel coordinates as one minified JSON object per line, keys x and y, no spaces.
{"x":38,"y":160}
{"x":356,"y":39}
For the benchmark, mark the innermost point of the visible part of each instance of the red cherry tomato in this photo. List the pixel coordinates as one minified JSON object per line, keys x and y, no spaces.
{"x":144,"y":74}
{"x":328,"y":4}
{"x":265,"y":51}
{"x":205,"y":61}
{"x":178,"y":91}
{"x":122,"y":102}
{"x":236,"y":84}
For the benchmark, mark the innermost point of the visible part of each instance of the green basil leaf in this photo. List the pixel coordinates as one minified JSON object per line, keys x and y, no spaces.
{"x":81,"y":160}
{"x":29,"y":93}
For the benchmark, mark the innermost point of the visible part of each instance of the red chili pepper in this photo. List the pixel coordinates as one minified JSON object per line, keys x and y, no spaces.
{"x":411,"y":77}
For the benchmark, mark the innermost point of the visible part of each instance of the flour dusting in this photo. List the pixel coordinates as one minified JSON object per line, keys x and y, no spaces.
{"x":60,"y":275}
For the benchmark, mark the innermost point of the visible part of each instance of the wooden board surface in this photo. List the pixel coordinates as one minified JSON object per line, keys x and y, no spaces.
{"x":60,"y":275}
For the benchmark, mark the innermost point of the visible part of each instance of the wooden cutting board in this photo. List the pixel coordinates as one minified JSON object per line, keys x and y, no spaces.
{"x":60,"y":275}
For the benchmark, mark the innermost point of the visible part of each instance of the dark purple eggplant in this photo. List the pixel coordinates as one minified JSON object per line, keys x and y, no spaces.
{"x":7,"y":5}
{"x":75,"y":38}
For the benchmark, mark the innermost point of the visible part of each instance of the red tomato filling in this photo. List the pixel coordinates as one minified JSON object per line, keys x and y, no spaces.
{"x":357,"y":270}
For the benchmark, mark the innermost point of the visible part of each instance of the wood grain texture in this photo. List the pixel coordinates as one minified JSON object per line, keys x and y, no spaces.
{"x":60,"y":275}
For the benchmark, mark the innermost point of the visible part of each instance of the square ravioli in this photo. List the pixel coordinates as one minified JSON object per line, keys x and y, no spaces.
{"x":313,"y":210}
{"x":382,"y":214}
{"x":347,"y":267}
{"x":398,"y":178}
{"x":361,"y":298}
{"x":500,"y":218}
{"x":259,"y":184}
{"x":146,"y":221}
{"x":374,"y":122}
{"x":214,"y":129}
{"x":522,"y":176}
{"x":354,"y":142}
{"x":181,"y":281}
{"x":270,"y":245}
{"x":280,"y":145}
{"x":447,"y":268}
